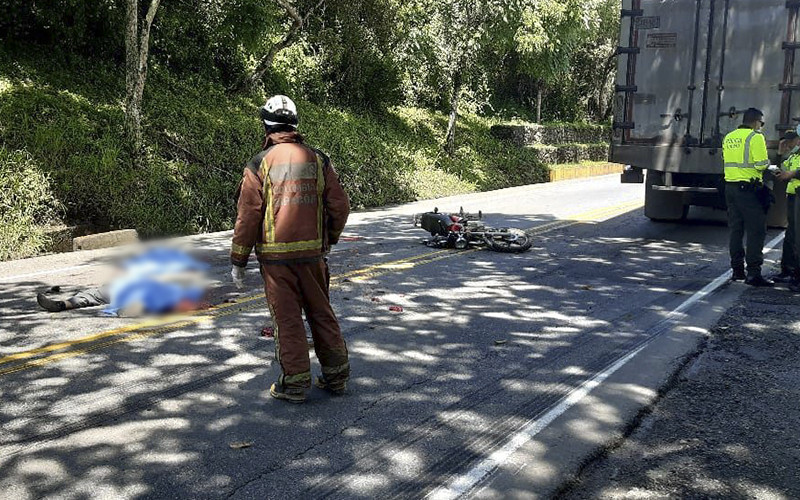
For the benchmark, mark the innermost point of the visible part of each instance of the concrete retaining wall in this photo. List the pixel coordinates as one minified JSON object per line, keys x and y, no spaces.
{"x":530,"y":135}
{"x":105,"y":240}
{"x":581,"y":171}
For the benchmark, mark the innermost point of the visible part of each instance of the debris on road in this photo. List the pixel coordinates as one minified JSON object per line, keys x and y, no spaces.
{"x":240,"y":445}
{"x":500,"y":342}
{"x":268,"y":332}
{"x":396,"y":309}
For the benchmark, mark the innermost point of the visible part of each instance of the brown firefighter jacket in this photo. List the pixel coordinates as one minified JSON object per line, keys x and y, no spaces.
{"x":291,"y":207}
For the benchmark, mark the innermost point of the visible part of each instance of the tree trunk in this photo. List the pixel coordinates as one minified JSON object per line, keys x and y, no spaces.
{"x":133,"y":120}
{"x":539,"y":103}
{"x":604,"y":103}
{"x":137,"y":48}
{"x":298,"y":22}
{"x":450,"y":138}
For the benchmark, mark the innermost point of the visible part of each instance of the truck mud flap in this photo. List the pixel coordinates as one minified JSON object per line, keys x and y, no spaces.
{"x":632,"y":175}
{"x":663,"y":205}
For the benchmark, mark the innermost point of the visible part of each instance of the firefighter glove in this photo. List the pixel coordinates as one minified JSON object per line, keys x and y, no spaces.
{"x":237,"y":274}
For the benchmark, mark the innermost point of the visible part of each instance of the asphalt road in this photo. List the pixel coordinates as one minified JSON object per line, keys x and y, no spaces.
{"x":727,"y":429}
{"x":131,"y":408}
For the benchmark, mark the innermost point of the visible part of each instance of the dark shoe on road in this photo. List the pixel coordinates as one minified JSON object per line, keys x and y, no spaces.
{"x":738,"y":275}
{"x":337,"y":388}
{"x":49,"y":304}
{"x":290,"y":394}
{"x":783,"y":277}
{"x":759,"y":281}
{"x":794,"y":286}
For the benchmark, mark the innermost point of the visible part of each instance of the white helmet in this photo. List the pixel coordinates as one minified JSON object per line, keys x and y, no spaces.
{"x":279,"y":110}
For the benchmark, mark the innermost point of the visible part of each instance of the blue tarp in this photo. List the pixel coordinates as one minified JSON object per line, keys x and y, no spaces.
{"x":141,"y":283}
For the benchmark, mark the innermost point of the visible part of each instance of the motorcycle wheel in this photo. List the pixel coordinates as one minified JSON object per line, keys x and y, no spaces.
{"x":507,"y":240}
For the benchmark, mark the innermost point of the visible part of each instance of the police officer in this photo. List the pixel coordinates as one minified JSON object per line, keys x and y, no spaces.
{"x":790,"y":147}
{"x":745,"y":157}
{"x":292,"y":208}
{"x":791,"y":175}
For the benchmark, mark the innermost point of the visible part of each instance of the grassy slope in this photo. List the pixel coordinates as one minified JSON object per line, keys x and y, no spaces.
{"x":68,"y":117}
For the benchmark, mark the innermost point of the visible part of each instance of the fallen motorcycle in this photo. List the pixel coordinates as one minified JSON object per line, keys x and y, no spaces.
{"x":464,"y":230}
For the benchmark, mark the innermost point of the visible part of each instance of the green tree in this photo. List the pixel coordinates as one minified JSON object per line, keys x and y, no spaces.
{"x":455,"y":35}
{"x":554,"y":34}
{"x":297,"y":22}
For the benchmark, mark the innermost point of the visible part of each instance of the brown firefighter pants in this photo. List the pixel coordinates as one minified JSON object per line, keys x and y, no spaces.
{"x":292,"y":289}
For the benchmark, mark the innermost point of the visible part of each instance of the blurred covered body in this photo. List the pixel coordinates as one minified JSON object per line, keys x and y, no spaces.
{"x":158,"y":281}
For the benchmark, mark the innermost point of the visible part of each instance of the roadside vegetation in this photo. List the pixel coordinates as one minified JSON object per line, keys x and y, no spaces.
{"x":401,"y":94}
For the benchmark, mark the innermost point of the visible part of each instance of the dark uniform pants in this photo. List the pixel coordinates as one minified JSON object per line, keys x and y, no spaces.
{"x":746,"y":216}
{"x":789,"y":264}
{"x":292,"y":289}
{"x":794,"y":220}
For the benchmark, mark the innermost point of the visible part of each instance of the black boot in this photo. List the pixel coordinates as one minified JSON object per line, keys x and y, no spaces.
{"x":785,"y":276}
{"x":738,"y":275}
{"x":759,"y":281}
{"x":49,"y":304}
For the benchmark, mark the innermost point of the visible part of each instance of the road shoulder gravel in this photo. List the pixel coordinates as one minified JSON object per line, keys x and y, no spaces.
{"x":728,"y":426}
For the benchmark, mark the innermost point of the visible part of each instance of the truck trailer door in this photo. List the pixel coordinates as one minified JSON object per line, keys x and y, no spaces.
{"x":746,"y":66}
{"x":689,"y":68}
{"x":660,"y":74}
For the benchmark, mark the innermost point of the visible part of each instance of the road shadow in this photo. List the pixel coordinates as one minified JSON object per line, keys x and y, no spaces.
{"x":726,"y":428}
{"x":485,"y":341}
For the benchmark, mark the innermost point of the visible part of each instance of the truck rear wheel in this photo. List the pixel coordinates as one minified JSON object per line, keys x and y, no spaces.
{"x":663,"y":206}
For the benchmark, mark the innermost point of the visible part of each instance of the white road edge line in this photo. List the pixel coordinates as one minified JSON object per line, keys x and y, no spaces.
{"x":465,"y":483}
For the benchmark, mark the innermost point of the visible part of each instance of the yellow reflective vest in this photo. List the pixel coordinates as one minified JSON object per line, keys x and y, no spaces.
{"x":790,"y":164}
{"x":745,"y":154}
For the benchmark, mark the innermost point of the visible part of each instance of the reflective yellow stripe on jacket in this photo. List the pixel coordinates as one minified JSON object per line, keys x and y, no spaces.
{"x":792,"y":163}
{"x":745,"y":155}
{"x":270,"y":246}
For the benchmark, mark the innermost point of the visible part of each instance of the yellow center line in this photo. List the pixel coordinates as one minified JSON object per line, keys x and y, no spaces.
{"x":158,"y":325}
{"x":195,"y":317}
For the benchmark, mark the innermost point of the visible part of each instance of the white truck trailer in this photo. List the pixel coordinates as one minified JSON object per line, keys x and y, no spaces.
{"x":687,"y":70}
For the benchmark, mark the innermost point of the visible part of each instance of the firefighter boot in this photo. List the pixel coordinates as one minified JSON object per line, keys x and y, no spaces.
{"x":290,"y":394}
{"x":335,"y":388}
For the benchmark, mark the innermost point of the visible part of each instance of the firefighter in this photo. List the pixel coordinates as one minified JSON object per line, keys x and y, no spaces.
{"x":745,"y":157}
{"x":790,"y":147}
{"x":291,"y":209}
